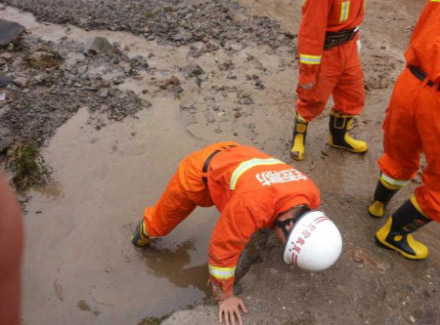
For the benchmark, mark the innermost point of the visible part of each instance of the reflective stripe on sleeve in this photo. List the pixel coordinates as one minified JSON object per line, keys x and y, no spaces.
{"x":222,"y":273}
{"x":435,"y":0}
{"x":393,"y":181}
{"x":246,"y":165}
{"x":345,"y":10}
{"x":310,"y":59}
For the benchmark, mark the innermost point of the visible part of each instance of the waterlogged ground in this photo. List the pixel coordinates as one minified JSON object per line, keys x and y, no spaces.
{"x":235,"y":80}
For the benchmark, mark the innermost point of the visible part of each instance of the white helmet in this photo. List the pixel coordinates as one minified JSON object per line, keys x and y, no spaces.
{"x":314,"y":243}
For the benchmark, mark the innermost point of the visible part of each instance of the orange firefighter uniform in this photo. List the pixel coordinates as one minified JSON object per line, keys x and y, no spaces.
{"x":412,"y":123}
{"x":248,"y":187}
{"x":336,"y":70}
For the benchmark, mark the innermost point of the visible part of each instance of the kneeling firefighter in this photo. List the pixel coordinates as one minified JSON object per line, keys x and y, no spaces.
{"x":412,"y":127}
{"x":252,"y":191}
{"x":328,"y":46}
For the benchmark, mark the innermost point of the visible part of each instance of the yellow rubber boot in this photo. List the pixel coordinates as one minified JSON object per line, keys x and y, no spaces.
{"x":140,"y":238}
{"x":396,"y":233}
{"x":382,"y":196}
{"x":297,"y":152}
{"x":339,"y":137}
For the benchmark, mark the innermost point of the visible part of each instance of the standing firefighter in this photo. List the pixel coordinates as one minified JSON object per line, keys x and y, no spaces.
{"x":252,"y":191}
{"x":412,"y":126}
{"x":328,"y":43}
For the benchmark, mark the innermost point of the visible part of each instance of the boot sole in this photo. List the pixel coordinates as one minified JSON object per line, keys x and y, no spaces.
{"x":391,"y":247}
{"x":347,"y":149}
{"x":374,"y":216}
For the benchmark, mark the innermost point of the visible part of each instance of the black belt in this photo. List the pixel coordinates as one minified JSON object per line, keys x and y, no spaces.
{"x":421,"y":75}
{"x":333,"y":39}
{"x":208,"y":161}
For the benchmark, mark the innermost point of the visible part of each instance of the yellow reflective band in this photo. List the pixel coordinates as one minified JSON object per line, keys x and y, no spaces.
{"x":310,"y":59}
{"x":246,"y":165}
{"x":393,"y":181}
{"x":435,"y":0}
{"x":345,"y":10}
{"x":413,"y":198}
{"x":221,"y":272}
{"x":303,"y":2}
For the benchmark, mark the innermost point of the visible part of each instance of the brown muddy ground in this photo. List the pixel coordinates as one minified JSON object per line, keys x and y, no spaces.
{"x":236,"y":74}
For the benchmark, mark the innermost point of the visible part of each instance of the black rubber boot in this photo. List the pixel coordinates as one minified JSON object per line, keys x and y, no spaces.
{"x":139,"y":238}
{"x":382,"y":196}
{"x":396,"y":233}
{"x":340,"y":138}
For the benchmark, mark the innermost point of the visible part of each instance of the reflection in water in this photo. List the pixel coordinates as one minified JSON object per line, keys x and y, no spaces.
{"x":51,"y":190}
{"x":170,"y":264}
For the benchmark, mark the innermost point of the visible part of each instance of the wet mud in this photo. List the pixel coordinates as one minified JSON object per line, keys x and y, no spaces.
{"x":233,"y":83}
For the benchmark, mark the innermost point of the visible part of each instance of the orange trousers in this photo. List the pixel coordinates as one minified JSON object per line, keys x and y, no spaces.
{"x":412,"y":126}
{"x":184,"y":193}
{"x":341,"y":76}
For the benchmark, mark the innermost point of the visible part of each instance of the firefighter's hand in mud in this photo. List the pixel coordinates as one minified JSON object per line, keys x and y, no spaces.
{"x":230,"y":308}
{"x":308,"y":86}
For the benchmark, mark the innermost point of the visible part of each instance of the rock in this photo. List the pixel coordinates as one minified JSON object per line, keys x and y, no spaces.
{"x":98,"y":45}
{"x":5,"y":139}
{"x":103,"y":93}
{"x":9,"y":31}
{"x":21,"y":82}
{"x":372,"y":263}
{"x":38,"y":79}
{"x":5,"y":81}
{"x":6,"y":56}
{"x":2,"y":62}
{"x":192,"y":70}
{"x":173,"y":81}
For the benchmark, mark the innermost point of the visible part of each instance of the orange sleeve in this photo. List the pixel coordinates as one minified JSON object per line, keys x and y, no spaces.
{"x":424,"y":48}
{"x":311,"y":37}
{"x":231,"y":234}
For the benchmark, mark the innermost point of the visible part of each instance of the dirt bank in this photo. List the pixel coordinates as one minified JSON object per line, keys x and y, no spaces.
{"x":235,"y":84}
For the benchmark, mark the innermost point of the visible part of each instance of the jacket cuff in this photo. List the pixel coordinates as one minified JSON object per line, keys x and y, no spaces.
{"x":221,"y":290}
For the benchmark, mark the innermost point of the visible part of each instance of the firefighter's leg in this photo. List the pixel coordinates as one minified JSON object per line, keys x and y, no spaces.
{"x":396,"y":233}
{"x":385,"y":189}
{"x":159,"y":219}
{"x":311,"y":102}
{"x":402,"y":145}
{"x":428,"y":126}
{"x":185,"y":191}
{"x":349,"y":98}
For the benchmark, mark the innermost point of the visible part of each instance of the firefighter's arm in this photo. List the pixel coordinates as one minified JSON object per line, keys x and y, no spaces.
{"x":233,"y":230}
{"x":311,"y":39}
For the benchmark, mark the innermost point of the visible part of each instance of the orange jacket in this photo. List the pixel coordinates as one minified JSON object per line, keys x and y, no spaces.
{"x":319,"y":17}
{"x":250,"y":189}
{"x":424,"y":47}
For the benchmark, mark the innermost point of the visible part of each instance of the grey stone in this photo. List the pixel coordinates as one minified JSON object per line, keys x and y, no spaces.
{"x":98,"y":45}
{"x":9,"y":31}
{"x":21,"y":82}
{"x":5,"y":139}
{"x":103,"y":93}
{"x":5,"y":81}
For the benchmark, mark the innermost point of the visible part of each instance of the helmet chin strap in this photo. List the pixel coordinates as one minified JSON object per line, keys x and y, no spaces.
{"x":283,"y":224}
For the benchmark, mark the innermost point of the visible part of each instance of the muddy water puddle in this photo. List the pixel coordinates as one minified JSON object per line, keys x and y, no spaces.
{"x":78,"y":237}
